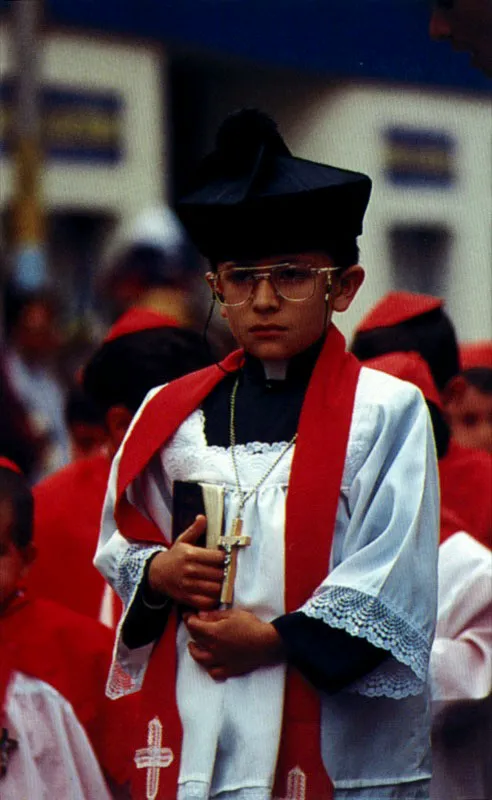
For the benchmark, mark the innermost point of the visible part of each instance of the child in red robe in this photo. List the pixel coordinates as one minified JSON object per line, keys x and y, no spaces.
{"x":403,"y":322}
{"x":59,"y":732}
{"x":468,"y":397}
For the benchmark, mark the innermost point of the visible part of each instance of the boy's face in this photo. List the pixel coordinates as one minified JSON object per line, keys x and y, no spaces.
{"x":14,"y":562}
{"x":470,"y":417}
{"x":273,"y":328}
{"x":467,"y":24}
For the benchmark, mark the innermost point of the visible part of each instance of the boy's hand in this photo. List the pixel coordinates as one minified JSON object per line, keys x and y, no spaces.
{"x":190,"y":575}
{"x":232,"y":642}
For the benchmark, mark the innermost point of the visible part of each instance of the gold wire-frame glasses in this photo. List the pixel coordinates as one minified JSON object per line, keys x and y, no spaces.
{"x":296,"y":283}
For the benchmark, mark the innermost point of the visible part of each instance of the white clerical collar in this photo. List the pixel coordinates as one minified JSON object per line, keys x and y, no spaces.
{"x":275,"y":370}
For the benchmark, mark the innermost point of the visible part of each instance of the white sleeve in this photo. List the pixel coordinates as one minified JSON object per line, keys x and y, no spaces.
{"x":53,"y":757}
{"x":122,"y":563}
{"x":383,"y":581}
{"x":461,"y":658}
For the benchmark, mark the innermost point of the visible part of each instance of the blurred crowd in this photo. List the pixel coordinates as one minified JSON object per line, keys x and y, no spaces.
{"x":48,"y":420}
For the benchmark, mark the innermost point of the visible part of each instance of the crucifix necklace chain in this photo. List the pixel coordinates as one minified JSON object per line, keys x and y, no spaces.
{"x":232,"y":434}
{"x":235,"y":538}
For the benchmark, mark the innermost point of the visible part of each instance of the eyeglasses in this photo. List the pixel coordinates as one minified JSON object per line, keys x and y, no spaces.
{"x":234,"y":286}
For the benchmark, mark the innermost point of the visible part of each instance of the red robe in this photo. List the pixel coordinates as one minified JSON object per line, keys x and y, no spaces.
{"x":71,"y":653}
{"x":68,"y":506}
{"x":466,"y":493}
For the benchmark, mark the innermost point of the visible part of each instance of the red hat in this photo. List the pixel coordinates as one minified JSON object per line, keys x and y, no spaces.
{"x":476,"y":354}
{"x":6,"y":463}
{"x":139,"y":319}
{"x":396,"y":307}
{"x":409,"y":367}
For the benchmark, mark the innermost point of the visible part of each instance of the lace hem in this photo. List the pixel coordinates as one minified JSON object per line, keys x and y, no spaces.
{"x":370,"y":618}
{"x":128,"y":667}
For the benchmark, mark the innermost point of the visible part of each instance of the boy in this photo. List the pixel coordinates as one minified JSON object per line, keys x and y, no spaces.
{"x":468,"y":397}
{"x":403,"y":321}
{"x":276,"y":689}
{"x":52,"y":667}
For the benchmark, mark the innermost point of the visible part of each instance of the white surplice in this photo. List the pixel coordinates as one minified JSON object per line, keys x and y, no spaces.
{"x":461,"y":672}
{"x":54,"y":759}
{"x":381,"y":586}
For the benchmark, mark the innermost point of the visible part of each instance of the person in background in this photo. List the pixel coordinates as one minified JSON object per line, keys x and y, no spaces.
{"x":403,"y":322}
{"x":151,"y":265}
{"x":18,"y":440}
{"x":57,"y":734}
{"x":142,"y":350}
{"x":468,"y":397}
{"x":33,"y":341}
{"x":295,"y":682}
{"x":467,"y":25}
{"x":85,"y":422}
{"x":461,"y":656}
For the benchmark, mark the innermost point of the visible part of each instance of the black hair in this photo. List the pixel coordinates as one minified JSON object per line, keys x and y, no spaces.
{"x":123,"y":370}
{"x":480,"y":378}
{"x":431,"y":335}
{"x":80,"y":407}
{"x":14,"y":489}
{"x":440,"y":428}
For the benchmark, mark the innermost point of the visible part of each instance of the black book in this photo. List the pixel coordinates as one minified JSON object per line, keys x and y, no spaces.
{"x":187,"y":503}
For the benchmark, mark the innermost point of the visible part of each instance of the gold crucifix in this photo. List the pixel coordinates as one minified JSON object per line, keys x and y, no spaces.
{"x":231,"y":544}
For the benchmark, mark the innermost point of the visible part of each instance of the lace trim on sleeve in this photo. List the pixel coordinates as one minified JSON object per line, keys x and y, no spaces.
{"x":128,"y":667}
{"x":130,"y":570}
{"x":370,"y":618}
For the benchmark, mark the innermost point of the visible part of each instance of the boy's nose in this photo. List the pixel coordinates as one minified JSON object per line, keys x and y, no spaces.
{"x":439,"y":27}
{"x":264,"y":293}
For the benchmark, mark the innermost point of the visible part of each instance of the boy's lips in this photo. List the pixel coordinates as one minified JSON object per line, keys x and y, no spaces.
{"x":267,"y":331}
{"x":262,"y":328}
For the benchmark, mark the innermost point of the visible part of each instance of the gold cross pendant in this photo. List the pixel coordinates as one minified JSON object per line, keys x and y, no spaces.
{"x":231,"y":544}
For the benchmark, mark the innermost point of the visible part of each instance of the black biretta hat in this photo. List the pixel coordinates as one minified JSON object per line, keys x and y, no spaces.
{"x":251,"y":198}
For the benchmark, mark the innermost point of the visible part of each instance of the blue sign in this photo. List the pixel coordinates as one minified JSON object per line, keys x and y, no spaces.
{"x":416,"y":157}
{"x":77,"y":125}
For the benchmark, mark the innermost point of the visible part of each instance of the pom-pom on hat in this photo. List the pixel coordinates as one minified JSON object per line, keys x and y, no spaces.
{"x":409,"y":367}
{"x":139,"y":319}
{"x":396,"y":307}
{"x":476,"y":354}
{"x":252,"y":198}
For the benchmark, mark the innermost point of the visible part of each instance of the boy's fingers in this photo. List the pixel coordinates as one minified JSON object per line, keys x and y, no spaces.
{"x":207,"y":588}
{"x":198,"y":627}
{"x":208,"y":572}
{"x":211,"y":558}
{"x":193,"y":533}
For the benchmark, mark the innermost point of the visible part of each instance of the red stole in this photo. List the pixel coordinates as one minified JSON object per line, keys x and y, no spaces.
{"x":312,"y":501}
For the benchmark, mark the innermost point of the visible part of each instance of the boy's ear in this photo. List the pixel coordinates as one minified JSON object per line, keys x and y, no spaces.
{"x":346,"y":287}
{"x":454,"y":390}
{"x":118,"y":420}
